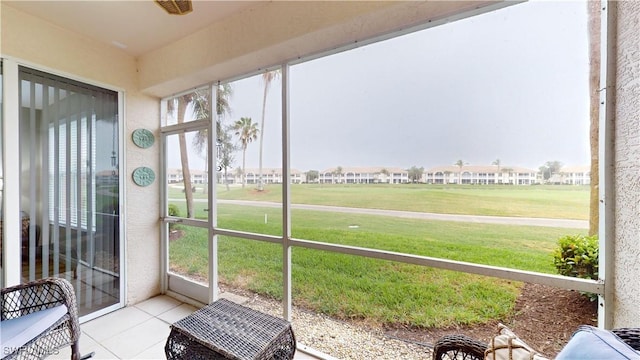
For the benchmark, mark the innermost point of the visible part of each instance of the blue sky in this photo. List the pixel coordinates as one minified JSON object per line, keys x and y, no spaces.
{"x":510,"y":85}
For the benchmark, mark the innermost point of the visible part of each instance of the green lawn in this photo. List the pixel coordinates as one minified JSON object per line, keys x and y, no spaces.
{"x":562,"y":202}
{"x":350,"y":287}
{"x":375,"y":290}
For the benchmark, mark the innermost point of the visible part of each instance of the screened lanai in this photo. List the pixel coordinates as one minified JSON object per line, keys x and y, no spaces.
{"x":125,"y":105}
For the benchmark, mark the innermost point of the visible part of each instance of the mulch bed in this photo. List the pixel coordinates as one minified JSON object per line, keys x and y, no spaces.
{"x":545,"y":318}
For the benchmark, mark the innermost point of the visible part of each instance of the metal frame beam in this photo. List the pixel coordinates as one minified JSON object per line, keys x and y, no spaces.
{"x":606,"y":236}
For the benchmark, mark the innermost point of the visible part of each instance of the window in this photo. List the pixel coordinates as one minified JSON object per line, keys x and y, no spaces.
{"x":76,"y":176}
{"x":359,"y":231}
{"x":1,"y":179}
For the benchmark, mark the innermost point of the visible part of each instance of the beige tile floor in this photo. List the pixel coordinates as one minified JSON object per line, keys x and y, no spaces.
{"x":136,"y":332}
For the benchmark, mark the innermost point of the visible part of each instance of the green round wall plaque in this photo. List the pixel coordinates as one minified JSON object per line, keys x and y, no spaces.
{"x":143,"y":138}
{"x":143,"y":176}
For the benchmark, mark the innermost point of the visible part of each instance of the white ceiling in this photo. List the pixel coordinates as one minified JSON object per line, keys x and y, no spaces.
{"x":136,"y":26}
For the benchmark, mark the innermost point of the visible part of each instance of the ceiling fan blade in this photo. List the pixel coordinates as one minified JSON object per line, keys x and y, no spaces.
{"x":176,"y":7}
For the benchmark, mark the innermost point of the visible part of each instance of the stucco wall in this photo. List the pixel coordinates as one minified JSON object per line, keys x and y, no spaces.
{"x":627,"y":167}
{"x":38,"y":44}
{"x":282,"y":31}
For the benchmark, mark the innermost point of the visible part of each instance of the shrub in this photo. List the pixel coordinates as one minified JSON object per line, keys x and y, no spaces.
{"x":577,"y":256}
{"x":173,"y":210}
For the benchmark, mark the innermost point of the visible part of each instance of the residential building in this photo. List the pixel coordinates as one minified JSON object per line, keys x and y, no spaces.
{"x":176,"y":176}
{"x":269,"y":176}
{"x":481,"y":175}
{"x":575,"y":175}
{"x":135,"y":63}
{"x":364,"y":175}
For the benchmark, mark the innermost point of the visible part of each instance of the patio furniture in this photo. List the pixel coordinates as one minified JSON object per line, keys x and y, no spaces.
{"x":459,"y":347}
{"x":226,"y":330}
{"x":465,"y":348}
{"x":65,"y":260}
{"x":39,"y":318}
{"x":71,"y":259}
{"x":24,"y":232}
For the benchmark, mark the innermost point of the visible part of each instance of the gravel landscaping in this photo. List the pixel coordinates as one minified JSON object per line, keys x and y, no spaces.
{"x":340,"y":339}
{"x":544,"y":317}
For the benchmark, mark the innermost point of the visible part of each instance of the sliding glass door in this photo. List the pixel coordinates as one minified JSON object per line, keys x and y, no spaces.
{"x":69,"y":186}
{"x":1,"y":182}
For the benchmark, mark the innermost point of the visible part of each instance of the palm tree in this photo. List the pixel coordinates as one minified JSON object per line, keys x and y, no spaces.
{"x":246,"y":131}
{"x":338,"y":172}
{"x":267,"y":77}
{"x":553,"y":167}
{"x":497,"y":162}
{"x":201,"y":106}
{"x":238,"y":173}
{"x":180,"y":105}
{"x":197,"y":103}
{"x":594,"y":14}
{"x":415,"y":174}
{"x":459,"y":164}
{"x":225,"y":154}
{"x":385,"y":172}
{"x":312,"y":175}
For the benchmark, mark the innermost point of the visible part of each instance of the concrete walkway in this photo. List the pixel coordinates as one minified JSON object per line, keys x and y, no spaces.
{"x":502,"y":220}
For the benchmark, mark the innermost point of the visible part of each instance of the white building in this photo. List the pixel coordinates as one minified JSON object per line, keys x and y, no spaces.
{"x":482,"y":175}
{"x":364,"y":175}
{"x":269,"y":176}
{"x":575,"y":175}
{"x":197,"y":176}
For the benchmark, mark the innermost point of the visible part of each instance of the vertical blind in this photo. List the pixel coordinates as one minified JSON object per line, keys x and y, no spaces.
{"x":1,"y":182}
{"x":68,"y":174}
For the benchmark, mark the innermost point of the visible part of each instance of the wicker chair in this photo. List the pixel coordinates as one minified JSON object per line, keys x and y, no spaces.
{"x":44,"y":316}
{"x":458,"y":347}
{"x":464,"y":347}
